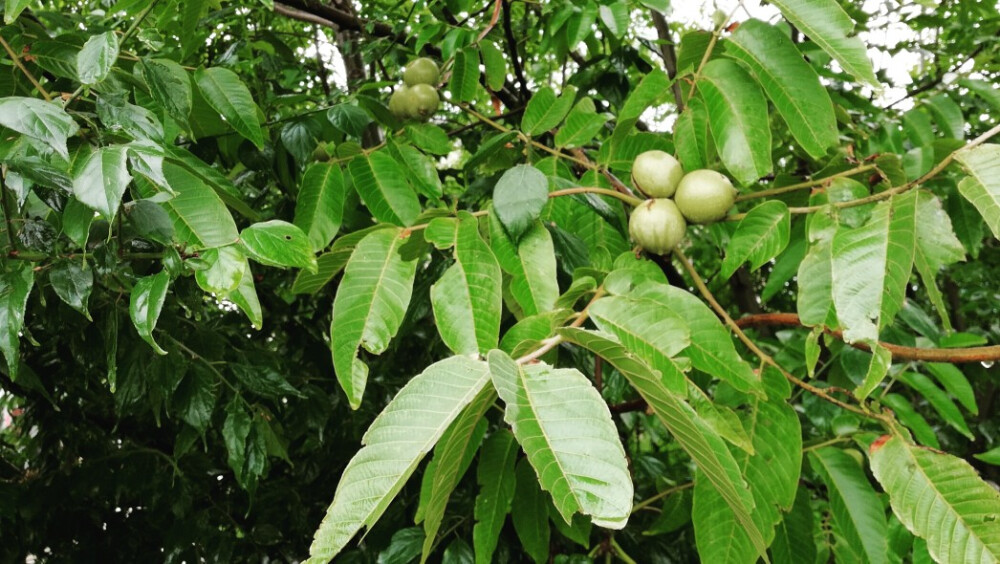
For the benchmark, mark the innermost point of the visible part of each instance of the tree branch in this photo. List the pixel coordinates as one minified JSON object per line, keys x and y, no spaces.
{"x":515,"y":57}
{"x":669,"y":54}
{"x":899,"y":352}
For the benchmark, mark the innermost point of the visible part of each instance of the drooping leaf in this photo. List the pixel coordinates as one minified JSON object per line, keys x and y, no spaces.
{"x":761,"y":235}
{"x":101,"y":181}
{"x":695,"y":436}
{"x":464,"y":75}
{"x":170,"y":86}
{"x":319,"y":206}
{"x":871,"y":267}
{"x":948,"y":115}
{"x":369,"y":306}
{"x":529,"y":513}
{"x":226,"y":93}
{"x":73,"y":281}
{"x":937,"y":246}
{"x":518,"y":198}
{"x":711,"y":350}
{"x":15,"y":287}
{"x":145,"y":305}
{"x":878,"y":367}
{"x":200,"y":218}
{"x":772,"y":469}
{"x":467,"y":299}
{"x":982,"y":186}
{"x":38,"y":119}
{"x":494,"y":64}
{"x":404,"y":432}
{"x":13,"y":9}
{"x":496,"y":479}
{"x":452,"y":457}
{"x":99,"y":54}
{"x":859,"y":524}
{"x":566,"y":431}
{"x":245,"y":297}
{"x":829,"y":26}
{"x":737,"y":116}
{"x":382,"y":186}
{"x":531,"y":264}
{"x":941,"y":499}
{"x":789,"y":81}
{"x":650,"y":331}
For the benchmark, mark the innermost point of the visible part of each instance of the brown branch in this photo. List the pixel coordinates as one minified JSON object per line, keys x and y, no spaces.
{"x":627,"y":406}
{"x":515,"y":57}
{"x":342,"y":19}
{"x":669,"y":54}
{"x":899,"y":352}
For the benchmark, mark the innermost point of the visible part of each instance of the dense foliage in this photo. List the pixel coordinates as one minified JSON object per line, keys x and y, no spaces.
{"x":237,"y":285}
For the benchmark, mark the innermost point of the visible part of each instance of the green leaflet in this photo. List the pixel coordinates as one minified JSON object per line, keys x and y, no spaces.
{"x":226,"y":93}
{"x":319,"y":207}
{"x":145,"y":305}
{"x":737,"y":116}
{"x":762,"y":235}
{"x":940,"y":498}
{"x":369,"y":306}
{"x":496,"y":479}
{"x":827,"y":24}
{"x":566,"y":431}
{"x":452,"y":457}
{"x":531,"y":263}
{"x":789,"y":81}
{"x":401,"y":435}
{"x":871,"y":267}
{"x":702,"y":443}
{"x":467,"y":299}
{"x":982,"y":186}
{"x":102,"y":180}
{"x":858,"y":516}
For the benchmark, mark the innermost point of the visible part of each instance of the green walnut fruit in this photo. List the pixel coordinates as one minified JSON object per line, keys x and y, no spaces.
{"x":421,"y":71}
{"x":422,"y":101}
{"x":657,"y":226}
{"x":399,"y":101}
{"x":656,"y":174}
{"x":704,"y":196}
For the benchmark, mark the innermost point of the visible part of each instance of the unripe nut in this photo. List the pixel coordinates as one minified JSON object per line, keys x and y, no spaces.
{"x":399,"y":101}
{"x":704,"y":196}
{"x":657,"y":226}
{"x":421,"y":71}
{"x":423,"y":101}
{"x":656,"y":174}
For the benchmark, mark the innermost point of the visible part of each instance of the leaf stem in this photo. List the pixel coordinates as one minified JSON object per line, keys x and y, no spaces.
{"x":630,"y":200}
{"x":657,"y":497}
{"x":764,"y":357}
{"x":899,"y":189}
{"x":553,"y":342}
{"x":710,"y":48}
{"x":804,"y":184}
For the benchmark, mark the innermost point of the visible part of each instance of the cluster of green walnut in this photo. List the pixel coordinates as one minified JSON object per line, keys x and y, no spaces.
{"x":675,"y":199}
{"x":417,"y":98}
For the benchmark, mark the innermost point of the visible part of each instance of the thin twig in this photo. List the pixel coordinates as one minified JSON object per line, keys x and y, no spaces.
{"x":805,"y":184}
{"x":27,"y":73}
